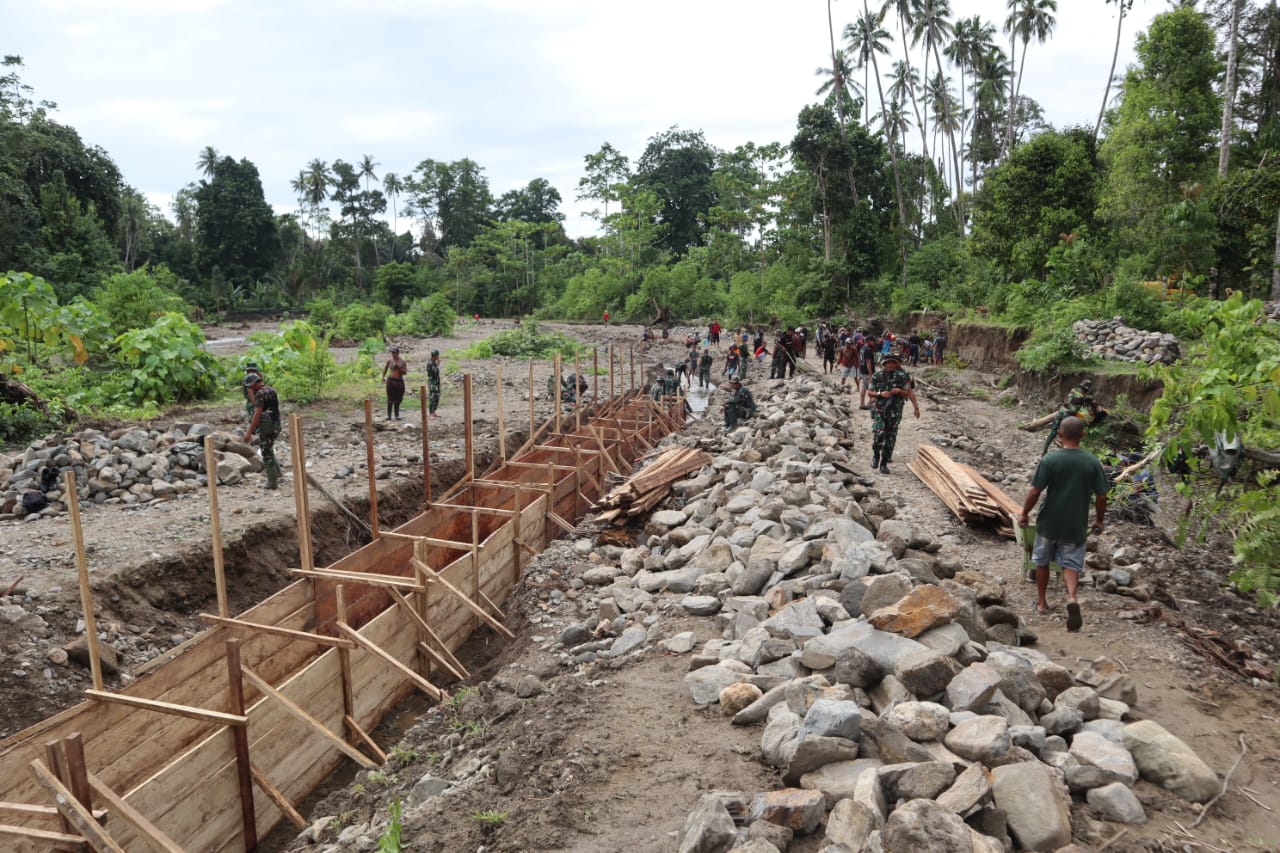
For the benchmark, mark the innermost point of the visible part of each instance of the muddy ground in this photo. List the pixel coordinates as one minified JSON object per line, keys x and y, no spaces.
{"x":612,"y":756}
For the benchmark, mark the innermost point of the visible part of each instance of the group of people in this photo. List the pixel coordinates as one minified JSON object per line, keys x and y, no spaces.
{"x":393,"y":374}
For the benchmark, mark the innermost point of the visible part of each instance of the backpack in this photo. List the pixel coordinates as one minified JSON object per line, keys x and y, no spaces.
{"x":34,"y":501}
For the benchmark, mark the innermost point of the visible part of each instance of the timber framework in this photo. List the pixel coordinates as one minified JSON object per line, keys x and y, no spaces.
{"x":216,"y":740}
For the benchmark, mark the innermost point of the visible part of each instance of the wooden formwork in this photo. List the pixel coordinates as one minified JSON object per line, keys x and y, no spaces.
{"x":221,"y":734}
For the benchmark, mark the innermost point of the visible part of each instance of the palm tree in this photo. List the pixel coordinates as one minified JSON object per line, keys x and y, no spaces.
{"x":839,"y":86}
{"x":1027,"y":19}
{"x":1124,"y":6}
{"x":991,"y":79}
{"x":906,"y":11}
{"x":932,"y":24}
{"x":393,"y":186}
{"x":208,"y":160}
{"x":876,"y":36}
{"x":365,"y":170}
{"x":299,"y":186}
{"x":860,"y":34}
{"x":318,"y":180}
{"x":971,"y":39}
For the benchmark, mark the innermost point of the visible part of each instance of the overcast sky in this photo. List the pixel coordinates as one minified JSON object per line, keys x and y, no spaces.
{"x":525,"y":89}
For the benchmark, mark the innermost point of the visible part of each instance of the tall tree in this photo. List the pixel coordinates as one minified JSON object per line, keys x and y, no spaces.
{"x":1229,"y":90}
{"x":1122,"y":7}
{"x":677,"y":166}
{"x":393,"y":186}
{"x":971,"y":39}
{"x":235,"y":227}
{"x":877,"y":38}
{"x":1027,"y":19}
{"x":906,"y":11}
{"x":860,"y":34}
{"x":208,"y":160}
{"x":453,"y":202}
{"x":933,"y":26}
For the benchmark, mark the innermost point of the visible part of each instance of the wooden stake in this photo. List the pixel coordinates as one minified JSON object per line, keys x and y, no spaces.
{"x":364,"y":738}
{"x":516,"y":557}
{"x":127,"y":813}
{"x":82,"y":570}
{"x":344,"y":657}
{"x":532,"y":425}
{"x":274,"y":795}
{"x":470,"y":434}
{"x":502,"y":420}
{"x":290,"y":633}
{"x":188,"y":711}
{"x":432,"y":574}
{"x":556,"y":386}
{"x":475,"y":559}
{"x":55,"y":760}
{"x":80,"y":816}
{"x":215,"y":528}
{"x":300,"y":502}
{"x":390,"y":659}
{"x":294,"y":709}
{"x":610,"y":371}
{"x":595,"y":377}
{"x":240,"y":741}
{"x":72,"y":749}
{"x":368,"y":450}
{"x":444,"y":656}
{"x":426,"y":446}
{"x":577,"y":382}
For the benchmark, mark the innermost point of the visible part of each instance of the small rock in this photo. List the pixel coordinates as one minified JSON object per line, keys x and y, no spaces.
{"x":923,"y":826}
{"x":799,"y":810}
{"x":736,"y":697}
{"x":528,"y":687}
{"x":709,"y":828}
{"x":981,"y":738}
{"x":1117,"y":803}
{"x":920,"y":720}
{"x":851,"y":824}
{"x":1168,"y":762}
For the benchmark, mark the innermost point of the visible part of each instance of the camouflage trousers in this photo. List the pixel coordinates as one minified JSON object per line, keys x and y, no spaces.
{"x":884,"y":433}
{"x":433,"y":397}
{"x":267,"y":432}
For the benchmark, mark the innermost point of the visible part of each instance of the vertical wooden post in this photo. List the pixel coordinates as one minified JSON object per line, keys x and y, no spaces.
{"x":633,"y":366}
{"x":344,"y":655}
{"x":577,"y":398}
{"x":72,"y":748}
{"x":215,"y":527}
{"x":240,"y":741}
{"x":556,"y":392}
{"x":502,"y":420}
{"x":610,"y":371}
{"x":531,"y":390}
{"x":475,"y":563}
{"x":517,"y":552}
{"x":368,"y":450}
{"x":82,"y":571}
{"x":56,"y":760}
{"x":300,"y":498}
{"x":426,"y":446}
{"x":470,"y":433}
{"x":595,"y":379}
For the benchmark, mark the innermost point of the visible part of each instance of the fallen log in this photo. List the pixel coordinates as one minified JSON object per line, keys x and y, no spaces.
{"x":1038,"y":423}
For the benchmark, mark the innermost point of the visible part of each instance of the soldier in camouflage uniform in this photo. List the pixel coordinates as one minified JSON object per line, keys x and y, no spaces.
{"x":266,"y":422}
{"x":739,"y":406}
{"x":1080,"y":404}
{"x":891,"y":386}
{"x":433,"y":383}
{"x":671,"y":384}
{"x":704,"y":370}
{"x":250,"y":369}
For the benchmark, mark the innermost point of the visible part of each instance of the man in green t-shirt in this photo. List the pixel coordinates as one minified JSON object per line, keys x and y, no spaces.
{"x":1069,"y":476}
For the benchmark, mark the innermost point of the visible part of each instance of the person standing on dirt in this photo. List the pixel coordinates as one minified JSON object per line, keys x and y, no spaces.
{"x":848,"y":362}
{"x":433,"y":384}
{"x":891,"y":387}
{"x":397,"y":367}
{"x":829,"y":353}
{"x":914,"y":342}
{"x":731,"y":362}
{"x":713,"y":334}
{"x":939,"y":346}
{"x":266,"y":422}
{"x":704,"y":370}
{"x":1069,"y":477}
{"x":694,"y":360}
{"x":866,"y":367}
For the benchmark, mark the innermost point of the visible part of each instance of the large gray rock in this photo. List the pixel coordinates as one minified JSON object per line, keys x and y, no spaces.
{"x":983,"y":738}
{"x":1097,"y":751}
{"x":973,"y":687}
{"x":704,"y":685}
{"x":812,"y":752}
{"x":948,"y":639}
{"x":882,"y":591}
{"x":923,"y":826}
{"x":1116,"y":802}
{"x":925,"y":780}
{"x":630,"y":639}
{"x":832,"y":718}
{"x":851,"y":824}
{"x":758,"y":710}
{"x":856,"y":669}
{"x":799,"y":810}
{"x":1017,"y":680}
{"x":1036,"y":805}
{"x":920,"y":720}
{"x":1168,"y":762}
{"x":823,"y":651}
{"x":798,"y":620}
{"x":781,"y":737}
{"x":890,"y":745}
{"x":838,"y":780}
{"x":708,"y":828}
{"x":756,"y":574}
{"x":926,"y":673}
{"x":883,"y":648}
{"x":970,"y":788}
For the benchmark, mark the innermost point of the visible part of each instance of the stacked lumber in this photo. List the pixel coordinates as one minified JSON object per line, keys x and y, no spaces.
{"x":973,"y":498}
{"x":647,"y":488}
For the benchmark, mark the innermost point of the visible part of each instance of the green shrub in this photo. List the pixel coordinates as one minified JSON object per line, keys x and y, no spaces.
{"x":322,"y":314}
{"x":133,"y":300}
{"x":1139,"y":307}
{"x":21,"y":424}
{"x":524,"y":341}
{"x":358,"y":321}
{"x":295,"y":361}
{"x":166,"y":362}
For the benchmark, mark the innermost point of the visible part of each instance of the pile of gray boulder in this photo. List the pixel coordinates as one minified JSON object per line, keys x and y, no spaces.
{"x":1112,"y":340}
{"x":897,"y":694}
{"x":124,"y":466}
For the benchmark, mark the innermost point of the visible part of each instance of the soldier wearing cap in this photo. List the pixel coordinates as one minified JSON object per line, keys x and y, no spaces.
{"x":266,"y":422}
{"x":739,"y":406}
{"x":891,"y":387}
{"x":398,"y":367}
{"x":251,"y":368}
{"x":433,"y":383}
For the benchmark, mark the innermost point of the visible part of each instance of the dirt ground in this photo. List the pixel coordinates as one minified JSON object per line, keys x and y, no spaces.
{"x":612,"y":757}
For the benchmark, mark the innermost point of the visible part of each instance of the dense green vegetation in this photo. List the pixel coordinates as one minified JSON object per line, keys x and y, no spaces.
{"x":922,"y":177}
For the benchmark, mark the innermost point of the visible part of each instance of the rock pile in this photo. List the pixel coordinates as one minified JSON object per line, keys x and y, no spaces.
{"x":125,"y":466}
{"x":1112,"y":340}
{"x":899,"y":700}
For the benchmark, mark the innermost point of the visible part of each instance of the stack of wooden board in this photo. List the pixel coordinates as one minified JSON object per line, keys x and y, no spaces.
{"x":646,"y":489}
{"x":968,"y":494}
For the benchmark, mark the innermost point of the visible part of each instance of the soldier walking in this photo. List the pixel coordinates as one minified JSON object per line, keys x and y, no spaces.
{"x":891,"y":387}
{"x":433,"y":383}
{"x":266,"y":422}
